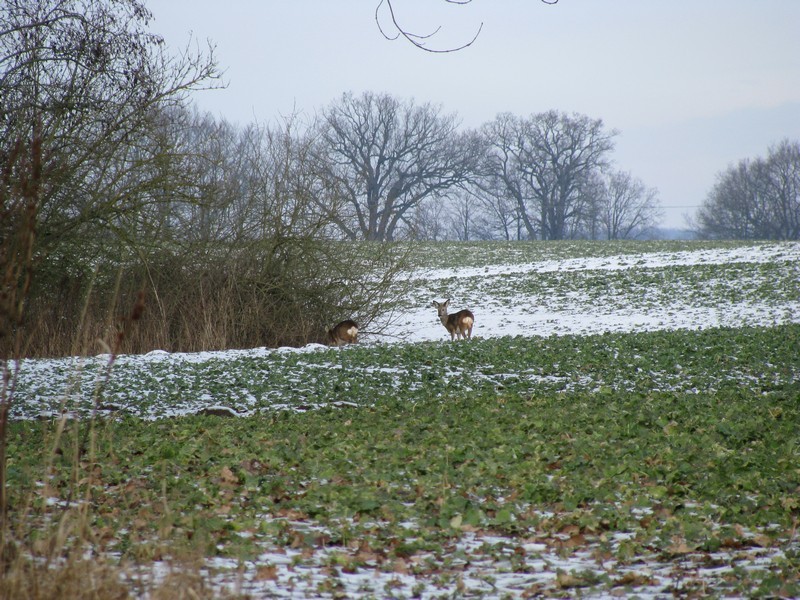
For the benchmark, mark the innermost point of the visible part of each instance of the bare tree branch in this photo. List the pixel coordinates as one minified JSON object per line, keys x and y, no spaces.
{"x":384,"y":157}
{"x":419,"y":40}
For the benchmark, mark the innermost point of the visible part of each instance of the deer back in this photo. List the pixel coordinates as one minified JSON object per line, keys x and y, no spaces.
{"x":460,"y":321}
{"x":345,"y":332}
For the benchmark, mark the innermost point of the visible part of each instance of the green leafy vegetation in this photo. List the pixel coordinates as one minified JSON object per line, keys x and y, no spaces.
{"x":678,"y":449}
{"x":250,"y":382}
{"x":484,"y":254}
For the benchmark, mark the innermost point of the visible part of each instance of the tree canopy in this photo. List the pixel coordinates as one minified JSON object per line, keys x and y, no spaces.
{"x":88,"y":85}
{"x":756,"y":198}
{"x":545,"y":163}
{"x":379,"y":158}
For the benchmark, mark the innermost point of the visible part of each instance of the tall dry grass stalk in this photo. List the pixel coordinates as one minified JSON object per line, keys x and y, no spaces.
{"x":240,"y":298}
{"x":48,"y":549}
{"x":20,"y":177}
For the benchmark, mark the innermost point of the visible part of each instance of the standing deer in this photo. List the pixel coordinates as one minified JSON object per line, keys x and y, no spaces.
{"x":458,"y":324}
{"x":345,"y":332}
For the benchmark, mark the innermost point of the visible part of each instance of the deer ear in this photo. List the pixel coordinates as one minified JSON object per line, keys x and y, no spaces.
{"x":446,"y":302}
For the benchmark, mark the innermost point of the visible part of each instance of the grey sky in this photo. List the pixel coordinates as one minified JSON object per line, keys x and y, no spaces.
{"x":691,"y":85}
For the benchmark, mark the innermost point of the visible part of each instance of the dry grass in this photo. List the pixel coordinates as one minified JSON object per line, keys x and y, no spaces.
{"x":70,"y":302}
{"x":72,"y":577}
{"x":50,"y":548}
{"x":236,"y":302}
{"x":46,"y":551}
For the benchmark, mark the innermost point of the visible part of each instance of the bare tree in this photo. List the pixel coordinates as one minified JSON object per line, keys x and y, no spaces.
{"x":463,"y":216}
{"x":249,"y":183}
{"x":499,"y":216}
{"x":545,"y":163}
{"x":427,"y":221}
{"x":205,"y":206}
{"x":735,"y":208}
{"x":783,"y":188}
{"x":378,"y":158}
{"x":627,"y":207}
{"x":87,"y":85}
{"x":94,"y":84}
{"x":756,"y":199}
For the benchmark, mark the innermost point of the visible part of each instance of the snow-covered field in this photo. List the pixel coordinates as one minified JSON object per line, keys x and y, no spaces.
{"x":732,"y":287}
{"x":501,"y":306}
{"x":693,"y":289}
{"x":489,"y":567}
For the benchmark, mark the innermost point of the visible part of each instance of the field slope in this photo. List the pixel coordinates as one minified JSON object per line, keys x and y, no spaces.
{"x":604,"y":455}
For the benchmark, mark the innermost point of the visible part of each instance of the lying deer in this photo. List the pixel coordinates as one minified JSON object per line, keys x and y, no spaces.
{"x":458,"y":324}
{"x":345,"y":332}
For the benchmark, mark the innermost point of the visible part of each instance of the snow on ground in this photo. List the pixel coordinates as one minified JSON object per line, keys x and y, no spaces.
{"x":653,"y":260}
{"x":501,"y":309}
{"x":526,"y":315}
{"x":485,"y":566}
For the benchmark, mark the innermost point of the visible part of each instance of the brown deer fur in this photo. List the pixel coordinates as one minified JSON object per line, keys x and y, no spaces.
{"x":345,"y":332}
{"x":459,"y":324}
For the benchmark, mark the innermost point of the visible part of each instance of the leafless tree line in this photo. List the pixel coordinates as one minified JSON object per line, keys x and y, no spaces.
{"x":113,"y":188}
{"x":374,"y":167}
{"x":124,"y":187}
{"x":403,"y":170}
{"x":756,"y":198}
{"x":377,"y":168}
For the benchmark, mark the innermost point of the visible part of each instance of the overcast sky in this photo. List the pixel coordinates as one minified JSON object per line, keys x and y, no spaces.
{"x":691,"y":86}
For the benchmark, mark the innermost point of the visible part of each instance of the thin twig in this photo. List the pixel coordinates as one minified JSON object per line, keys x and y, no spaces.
{"x":418,"y":39}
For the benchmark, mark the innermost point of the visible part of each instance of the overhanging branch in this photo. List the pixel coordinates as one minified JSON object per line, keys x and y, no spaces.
{"x":419,"y":40}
